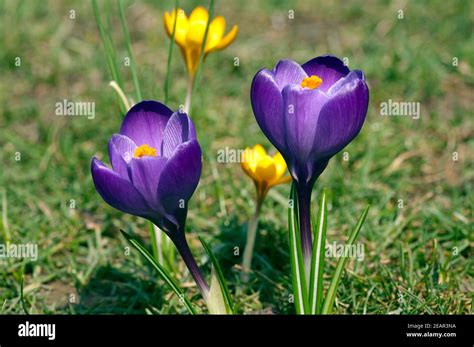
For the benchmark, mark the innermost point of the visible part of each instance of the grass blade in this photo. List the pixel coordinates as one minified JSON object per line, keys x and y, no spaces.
{"x":216,"y":303}
{"x":162,"y":272}
{"x":203,"y":46}
{"x":128,"y":43}
{"x":103,"y":37}
{"x":317,"y":263}
{"x":154,"y":246}
{"x":170,"y":53}
{"x":4,"y":218}
{"x":109,"y":51}
{"x":22,"y":297}
{"x":331,"y":294}
{"x":169,"y":251}
{"x":296,"y":257}
{"x":109,"y":40}
{"x":220,"y":277}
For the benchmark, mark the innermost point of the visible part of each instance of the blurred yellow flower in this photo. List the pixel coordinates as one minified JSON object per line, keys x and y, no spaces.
{"x":190,"y":31}
{"x":266,"y":171}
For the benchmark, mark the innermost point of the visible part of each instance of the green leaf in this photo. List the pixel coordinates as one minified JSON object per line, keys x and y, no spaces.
{"x":4,"y":219}
{"x":170,"y":54}
{"x":22,"y":297}
{"x":128,"y":43}
{"x":109,"y":50}
{"x":317,"y":263}
{"x":296,"y":257}
{"x":216,"y":302}
{"x":218,"y":276}
{"x":203,"y":45}
{"x":154,"y":247}
{"x":331,"y":294}
{"x":161,"y":271}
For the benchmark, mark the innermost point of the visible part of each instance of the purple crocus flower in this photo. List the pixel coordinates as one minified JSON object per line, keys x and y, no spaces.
{"x":309,"y":113}
{"x":156,"y":166}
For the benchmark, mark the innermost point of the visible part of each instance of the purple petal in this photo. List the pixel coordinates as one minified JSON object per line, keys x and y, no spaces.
{"x":145,"y":123}
{"x":145,"y":173}
{"x":179,"y":179}
{"x":288,"y":72}
{"x":121,"y":149}
{"x":352,"y":77}
{"x":302,"y":109}
{"x":329,"y":68}
{"x":117,"y":191}
{"x":342,"y":117}
{"x":179,"y":129}
{"x":267,"y":105}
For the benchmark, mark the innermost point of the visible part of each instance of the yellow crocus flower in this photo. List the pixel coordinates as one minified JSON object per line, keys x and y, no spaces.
{"x":266,"y":171}
{"x":190,"y":31}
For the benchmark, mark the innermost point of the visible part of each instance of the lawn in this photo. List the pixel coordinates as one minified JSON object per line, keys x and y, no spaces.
{"x":417,"y":174}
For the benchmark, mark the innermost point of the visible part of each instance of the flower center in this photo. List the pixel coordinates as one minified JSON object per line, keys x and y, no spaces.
{"x":144,"y":150}
{"x":311,"y":82}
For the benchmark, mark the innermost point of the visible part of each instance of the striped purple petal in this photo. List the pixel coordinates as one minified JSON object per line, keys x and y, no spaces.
{"x":145,"y":123}
{"x":179,"y":129}
{"x":329,"y":68}
{"x":117,"y":191}
{"x":179,"y":180}
{"x":121,"y":149}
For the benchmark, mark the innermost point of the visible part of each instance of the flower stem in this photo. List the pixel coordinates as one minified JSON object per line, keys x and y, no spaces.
{"x":250,"y":244}
{"x":304,"y":211}
{"x":189,"y":93}
{"x":152,"y":229}
{"x":170,"y":53}
{"x":183,"y":248}
{"x":5,"y":228}
{"x":158,"y":234}
{"x":121,"y":94}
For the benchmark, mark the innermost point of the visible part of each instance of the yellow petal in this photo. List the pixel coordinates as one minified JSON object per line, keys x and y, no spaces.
{"x":197,"y":26}
{"x":245,"y":159}
{"x":280,"y":164}
{"x":199,"y":14}
{"x":251,"y":158}
{"x":191,"y":54}
{"x":182,"y":26}
{"x":227,"y":39}
{"x":259,"y":150}
{"x":216,"y":31}
{"x":248,"y":165}
{"x":282,"y":180}
{"x":265,"y":170}
{"x":254,"y":156}
{"x":195,"y":34}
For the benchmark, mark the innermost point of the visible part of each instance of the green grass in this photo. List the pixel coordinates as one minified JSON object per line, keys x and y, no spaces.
{"x":418,"y":259}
